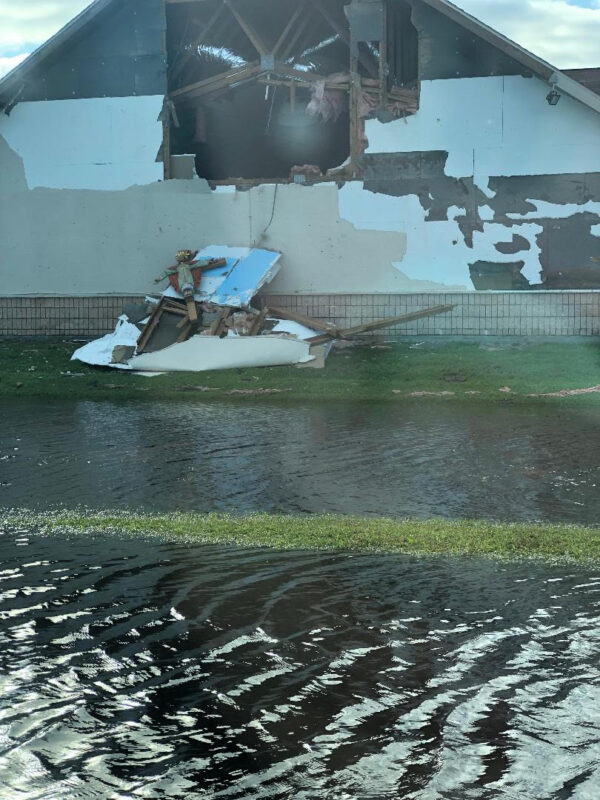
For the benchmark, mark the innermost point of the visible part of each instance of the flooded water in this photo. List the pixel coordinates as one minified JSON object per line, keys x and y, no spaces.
{"x":144,"y":669}
{"x":411,"y":459}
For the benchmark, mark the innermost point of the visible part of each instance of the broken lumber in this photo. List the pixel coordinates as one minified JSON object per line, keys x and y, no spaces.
{"x":258,"y":323}
{"x":309,"y":322}
{"x":383,"y":323}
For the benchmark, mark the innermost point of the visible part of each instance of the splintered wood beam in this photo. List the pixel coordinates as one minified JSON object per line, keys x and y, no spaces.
{"x":286,"y":31}
{"x":344,"y":35}
{"x":254,"y":37}
{"x":219,"y":81}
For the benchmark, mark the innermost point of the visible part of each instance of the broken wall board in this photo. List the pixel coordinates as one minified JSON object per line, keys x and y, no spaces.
{"x":100,"y":351}
{"x":202,"y":353}
{"x":245,"y":272}
{"x":247,"y":278}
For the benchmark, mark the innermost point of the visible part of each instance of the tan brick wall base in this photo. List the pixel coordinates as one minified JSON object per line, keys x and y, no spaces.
{"x":476,"y":314}
{"x":55,"y":316}
{"x":493,"y":314}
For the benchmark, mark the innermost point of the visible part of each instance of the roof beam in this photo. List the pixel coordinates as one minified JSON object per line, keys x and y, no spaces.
{"x":217,"y":82}
{"x":254,"y":37}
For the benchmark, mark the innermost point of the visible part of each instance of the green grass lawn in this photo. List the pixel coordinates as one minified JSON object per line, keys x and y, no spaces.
{"x":461,"y":370}
{"x":329,"y":532}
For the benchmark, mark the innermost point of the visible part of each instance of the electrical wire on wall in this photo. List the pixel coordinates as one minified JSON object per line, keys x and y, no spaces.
{"x":270,"y":222}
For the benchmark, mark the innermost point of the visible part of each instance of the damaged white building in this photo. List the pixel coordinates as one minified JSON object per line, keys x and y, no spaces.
{"x":398,"y":153}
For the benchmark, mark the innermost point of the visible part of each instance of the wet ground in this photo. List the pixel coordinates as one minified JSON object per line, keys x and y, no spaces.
{"x":420,"y":458}
{"x":146,"y":669}
{"x":140,"y":669}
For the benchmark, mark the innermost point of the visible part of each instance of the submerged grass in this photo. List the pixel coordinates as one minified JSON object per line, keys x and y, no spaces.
{"x":330,"y":532}
{"x":393,"y":372}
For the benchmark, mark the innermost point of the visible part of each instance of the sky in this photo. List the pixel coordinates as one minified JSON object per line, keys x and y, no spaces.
{"x":564,"y":32}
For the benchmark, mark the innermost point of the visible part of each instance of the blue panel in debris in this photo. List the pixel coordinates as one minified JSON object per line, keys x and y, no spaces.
{"x":246,"y":278}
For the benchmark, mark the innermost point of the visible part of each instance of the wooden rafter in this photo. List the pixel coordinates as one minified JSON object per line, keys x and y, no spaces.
{"x":303,"y":25}
{"x":248,"y":29}
{"x":180,"y":65}
{"x":217,"y":81}
{"x":288,"y":28}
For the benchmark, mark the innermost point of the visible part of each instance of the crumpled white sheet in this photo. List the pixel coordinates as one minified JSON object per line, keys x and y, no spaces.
{"x":99,"y":352}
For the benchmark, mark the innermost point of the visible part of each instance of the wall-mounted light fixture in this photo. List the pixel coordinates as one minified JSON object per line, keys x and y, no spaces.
{"x":553,"y":97}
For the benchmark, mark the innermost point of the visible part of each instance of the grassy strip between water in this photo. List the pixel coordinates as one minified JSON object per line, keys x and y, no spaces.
{"x":506,"y":371}
{"x":330,"y":532}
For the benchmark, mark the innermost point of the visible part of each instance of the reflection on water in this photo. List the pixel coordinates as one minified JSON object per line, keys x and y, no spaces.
{"x":416,"y":459}
{"x":133,"y":669}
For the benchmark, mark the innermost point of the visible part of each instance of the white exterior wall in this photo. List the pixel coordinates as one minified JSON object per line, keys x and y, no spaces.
{"x":80,"y":177}
{"x":107,"y":143}
{"x":490,"y":127}
{"x":496,"y":126}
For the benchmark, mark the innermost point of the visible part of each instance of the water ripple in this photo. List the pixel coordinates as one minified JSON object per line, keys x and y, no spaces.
{"x":140,"y":669}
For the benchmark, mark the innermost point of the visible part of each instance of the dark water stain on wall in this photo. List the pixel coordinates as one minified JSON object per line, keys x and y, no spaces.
{"x":569,"y":250}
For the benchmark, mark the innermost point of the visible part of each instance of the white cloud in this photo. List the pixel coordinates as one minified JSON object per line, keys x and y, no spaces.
{"x":564,"y":32}
{"x":10,"y":62}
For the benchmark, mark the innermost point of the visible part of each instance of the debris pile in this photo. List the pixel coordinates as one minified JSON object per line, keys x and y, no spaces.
{"x":204,"y":320}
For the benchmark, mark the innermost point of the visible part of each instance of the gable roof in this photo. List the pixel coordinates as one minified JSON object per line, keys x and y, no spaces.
{"x":529,"y":60}
{"x":10,"y":82}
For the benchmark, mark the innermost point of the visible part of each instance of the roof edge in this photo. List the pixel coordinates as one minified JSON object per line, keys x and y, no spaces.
{"x":53,"y":43}
{"x":535,"y":64}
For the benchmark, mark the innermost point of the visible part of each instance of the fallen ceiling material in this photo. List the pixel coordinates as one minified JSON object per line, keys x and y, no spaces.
{"x":216,"y":327}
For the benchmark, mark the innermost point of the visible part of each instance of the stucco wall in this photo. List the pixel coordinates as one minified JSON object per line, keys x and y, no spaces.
{"x":106,"y":143}
{"x":486,"y":173}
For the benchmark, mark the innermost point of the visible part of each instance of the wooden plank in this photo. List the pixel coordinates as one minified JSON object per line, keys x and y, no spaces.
{"x":286,"y":31}
{"x":401,"y":320}
{"x":166,"y":142}
{"x":217,"y":327}
{"x":185,"y":333}
{"x":346,"y":333}
{"x":302,"y":319}
{"x":295,"y":37}
{"x":185,"y":57}
{"x":149,"y":327}
{"x":222,"y":79}
{"x":252,"y":35}
{"x":258,"y":323}
{"x":191,"y":307}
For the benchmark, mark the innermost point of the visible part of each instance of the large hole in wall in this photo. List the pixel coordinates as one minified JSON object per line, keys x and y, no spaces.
{"x":260,"y":89}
